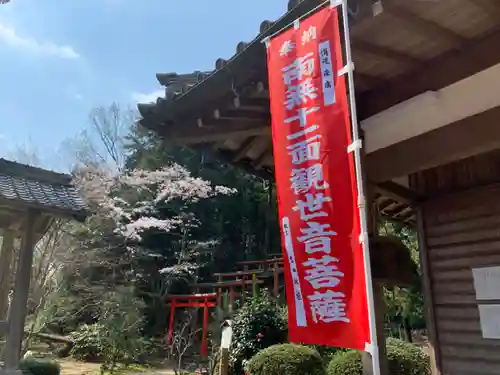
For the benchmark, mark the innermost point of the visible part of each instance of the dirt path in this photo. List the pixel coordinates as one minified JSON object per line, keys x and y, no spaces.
{"x":157,"y":372}
{"x":71,"y":367}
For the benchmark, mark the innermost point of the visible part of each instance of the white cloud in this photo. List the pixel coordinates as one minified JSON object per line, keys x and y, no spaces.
{"x":151,"y":97}
{"x":10,"y":37}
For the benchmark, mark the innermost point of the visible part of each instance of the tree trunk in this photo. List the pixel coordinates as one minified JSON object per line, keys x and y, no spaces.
{"x":6,"y":256}
{"x":17,"y":311}
{"x":407,"y":329}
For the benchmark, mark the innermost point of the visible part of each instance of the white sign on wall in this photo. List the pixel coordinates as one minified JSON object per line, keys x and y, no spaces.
{"x":487,"y":283}
{"x":490,"y":321}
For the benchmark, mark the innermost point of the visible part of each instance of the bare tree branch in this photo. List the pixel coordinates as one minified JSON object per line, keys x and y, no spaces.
{"x":103,"y":142}
{"x":26,"y":153}
{"x":183,"y":338}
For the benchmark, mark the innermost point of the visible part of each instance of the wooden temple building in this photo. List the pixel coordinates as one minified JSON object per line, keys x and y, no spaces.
{"x":427,"y":82}
{"x":30,"y":200}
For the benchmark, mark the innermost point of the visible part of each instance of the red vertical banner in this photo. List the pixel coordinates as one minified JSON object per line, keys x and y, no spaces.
{"x":316,"y":184}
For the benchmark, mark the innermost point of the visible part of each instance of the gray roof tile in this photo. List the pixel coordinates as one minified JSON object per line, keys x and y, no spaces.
{"x":39,"y":188}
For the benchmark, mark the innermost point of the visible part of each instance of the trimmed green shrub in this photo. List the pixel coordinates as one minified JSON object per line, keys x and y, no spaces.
{"x":34,"y":366}
{"x":407,"y":359}
{"x":258,"y":324}
{"x":403,"y":359}
{"x":327,"y":352}
{"x":346,"y":363}
{"x":286,"y":359}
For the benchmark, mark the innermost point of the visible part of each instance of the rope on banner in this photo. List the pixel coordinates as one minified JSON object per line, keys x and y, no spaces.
{"x":357,"y":144}
{"x":363,"y":238}
{"x":361,"y":202}
{"x":371,"y":347}
{"x":346,"y":69}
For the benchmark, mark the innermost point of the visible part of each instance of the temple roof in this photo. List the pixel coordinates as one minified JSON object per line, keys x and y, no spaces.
{"x":179,"y":85}
{"x":24,"y":187}
{"x":401,"y":49}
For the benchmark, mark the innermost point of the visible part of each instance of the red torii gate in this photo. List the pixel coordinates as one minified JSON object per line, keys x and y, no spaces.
{"x":204,"y":301}
{"x":210,"y":300}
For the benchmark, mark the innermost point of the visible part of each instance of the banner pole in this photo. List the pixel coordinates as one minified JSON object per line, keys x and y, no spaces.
{"x":373,"y":348}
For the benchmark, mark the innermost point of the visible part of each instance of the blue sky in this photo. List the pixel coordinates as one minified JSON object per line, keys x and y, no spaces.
{"x":61,"y":58}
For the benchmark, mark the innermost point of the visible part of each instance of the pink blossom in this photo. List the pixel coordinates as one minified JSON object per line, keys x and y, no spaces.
{"x":134,"y":228}
{"x":114,"y":196}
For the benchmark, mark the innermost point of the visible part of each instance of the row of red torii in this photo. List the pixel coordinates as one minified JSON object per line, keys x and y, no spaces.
{"x":253,"y":274}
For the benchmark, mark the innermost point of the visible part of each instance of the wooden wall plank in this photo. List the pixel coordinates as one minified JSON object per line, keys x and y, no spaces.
{"x":462,"y":231}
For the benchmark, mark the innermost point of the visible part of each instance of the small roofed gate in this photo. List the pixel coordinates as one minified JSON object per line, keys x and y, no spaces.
{"x":30,"y":200}
{"x":461,"y":244}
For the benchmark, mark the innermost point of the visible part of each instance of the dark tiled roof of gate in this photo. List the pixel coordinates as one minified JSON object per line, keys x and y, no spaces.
{"x":39,"y":188}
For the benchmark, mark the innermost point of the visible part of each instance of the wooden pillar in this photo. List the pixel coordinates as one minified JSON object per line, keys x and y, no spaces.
{"x":204,"y":345}
{"x":5,"y":272}
{"x":254,"y":285}
{"x":378,"y":293}
{"x":17,"y":312}
{"x":243,"y":289}
{"x":231,"y":299}
{"x":276,"y":286}
{"x":224,"y":362}
{"x":219,"y":292}
{"x":171,"y":322}
{"x":430,"y":314}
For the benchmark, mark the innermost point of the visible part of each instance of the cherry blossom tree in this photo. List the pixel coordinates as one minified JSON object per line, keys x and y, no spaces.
{"x":138,"y":203}
{"x":133,"y":199}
